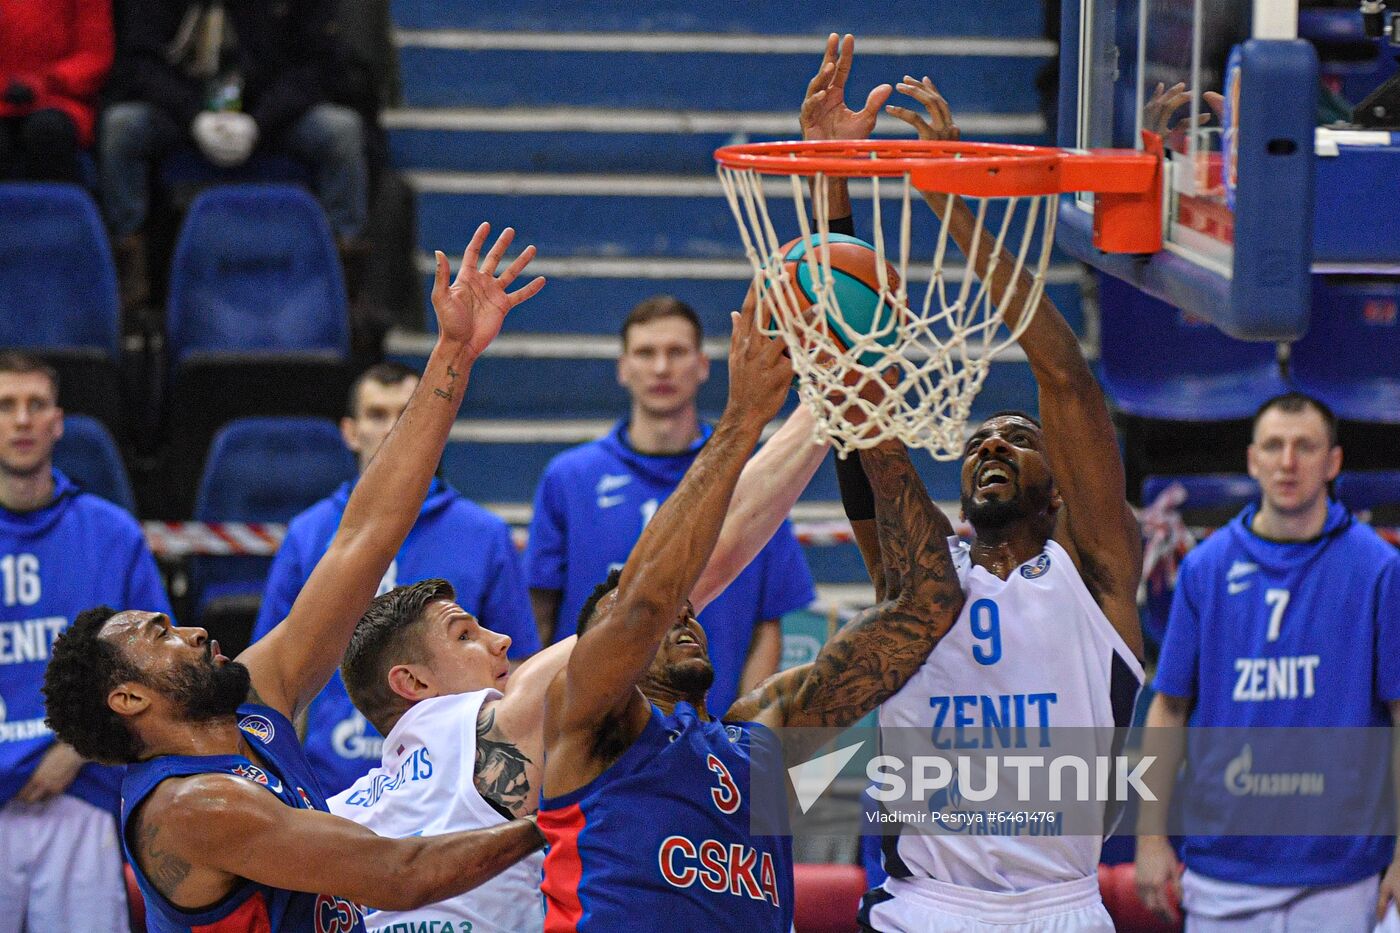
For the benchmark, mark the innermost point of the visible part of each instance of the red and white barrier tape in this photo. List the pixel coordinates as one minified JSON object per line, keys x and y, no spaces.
{"x":261,"y":539}
{"x":185,"y":539}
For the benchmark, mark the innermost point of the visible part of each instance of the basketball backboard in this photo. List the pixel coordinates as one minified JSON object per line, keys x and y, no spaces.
{"x":1239,"y":186}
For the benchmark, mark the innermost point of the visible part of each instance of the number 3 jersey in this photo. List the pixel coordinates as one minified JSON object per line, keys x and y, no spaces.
{"x":1028,"y":654}
{"x":661,"y":840}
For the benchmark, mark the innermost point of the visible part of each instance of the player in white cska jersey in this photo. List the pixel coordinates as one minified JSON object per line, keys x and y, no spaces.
{"x":1049,"y":635}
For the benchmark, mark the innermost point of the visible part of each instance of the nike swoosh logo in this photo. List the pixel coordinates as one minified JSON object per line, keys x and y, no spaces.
{"x":607,"y":502}
{"x":1240,"y":569}
{"x":1236,"y":588}
{"x":609,"y":482}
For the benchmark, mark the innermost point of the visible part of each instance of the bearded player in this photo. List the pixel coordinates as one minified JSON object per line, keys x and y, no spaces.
{"x":646,"y":798}
{"x":221,"y":816}
{"x":1050,"y":626}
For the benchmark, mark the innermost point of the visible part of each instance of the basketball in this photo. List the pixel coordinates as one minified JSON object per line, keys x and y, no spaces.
{"x":855,"y":286}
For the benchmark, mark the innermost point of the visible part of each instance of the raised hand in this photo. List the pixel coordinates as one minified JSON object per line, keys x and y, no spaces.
{"x":1165,"y":101}
{"x":759,"y":371}
{"x":939,"y":125}
{"x":824,"y":112}
{"x":473,"y":307}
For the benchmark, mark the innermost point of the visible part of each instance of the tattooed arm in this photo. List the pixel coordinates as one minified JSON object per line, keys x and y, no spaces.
{"x":509,"y":744}
{"x":295,"y":660}
{"x":500,"y":772}
{"x":873,"y":655}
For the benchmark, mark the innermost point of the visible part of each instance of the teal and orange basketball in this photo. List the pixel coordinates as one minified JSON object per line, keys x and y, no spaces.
{"x":855,"y":285}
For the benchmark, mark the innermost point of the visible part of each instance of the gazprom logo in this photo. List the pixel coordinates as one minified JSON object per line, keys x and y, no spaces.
{"x":259,"y":727}
{"x":1036,"y":568}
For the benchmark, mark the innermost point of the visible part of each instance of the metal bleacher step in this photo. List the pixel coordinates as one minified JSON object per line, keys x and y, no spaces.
{"x":501,"y":459}
{"x":575,"y":377}
{"x":598,"y":139}
{"x":831,"y":564}
{"x":1006,"y":18}
{"x":593,"y":294}
{"x":636,"y":214}
{"x":691,"y":70}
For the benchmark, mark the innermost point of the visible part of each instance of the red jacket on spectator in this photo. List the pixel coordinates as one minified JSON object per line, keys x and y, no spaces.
{"x":60,"y":48}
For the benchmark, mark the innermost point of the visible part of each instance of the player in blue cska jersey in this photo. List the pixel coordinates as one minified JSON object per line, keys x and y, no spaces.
{"x":222,"y":818}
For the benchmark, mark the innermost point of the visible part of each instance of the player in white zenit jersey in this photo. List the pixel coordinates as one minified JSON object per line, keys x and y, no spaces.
{"x":1049,"y":635}
{"x":463,"y":740}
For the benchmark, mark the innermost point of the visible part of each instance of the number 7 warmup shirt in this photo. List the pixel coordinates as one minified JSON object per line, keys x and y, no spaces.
{"x":1285,"y":634}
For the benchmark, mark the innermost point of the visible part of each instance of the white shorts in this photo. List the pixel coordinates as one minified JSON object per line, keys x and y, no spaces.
{"x":60,"y":868}
{"x":927,"y":906}
{"x":1215,"y":906}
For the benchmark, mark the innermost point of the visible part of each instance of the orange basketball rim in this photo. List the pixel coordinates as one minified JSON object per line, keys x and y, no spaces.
{"x":1127,"y":182}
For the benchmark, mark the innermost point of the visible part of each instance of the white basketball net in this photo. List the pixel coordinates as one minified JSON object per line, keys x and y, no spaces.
{"x":915,"y":374}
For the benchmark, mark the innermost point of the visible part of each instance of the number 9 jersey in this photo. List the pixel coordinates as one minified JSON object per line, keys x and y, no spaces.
{"x":1029,"y":653}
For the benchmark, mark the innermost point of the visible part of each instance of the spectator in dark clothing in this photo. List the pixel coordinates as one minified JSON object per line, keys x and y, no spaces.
{"x":232,"y":79}
{"x":54,"y":56}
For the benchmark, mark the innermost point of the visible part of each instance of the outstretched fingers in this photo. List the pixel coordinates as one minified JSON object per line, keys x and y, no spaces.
{"x":493,"y":258}
{"x":525,"y":293}
{"x":442,"y":274}
{"x":517,"y":266}
{"x":824,"y":71}
{"x":940,"y":118}
{"x":875,"y":100}
{"x":843,"y":61}
{"x":919,"y":124}
{"x":473,"y":250}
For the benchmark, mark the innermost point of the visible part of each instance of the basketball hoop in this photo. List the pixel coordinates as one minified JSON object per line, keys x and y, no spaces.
{"x":910,"y":370}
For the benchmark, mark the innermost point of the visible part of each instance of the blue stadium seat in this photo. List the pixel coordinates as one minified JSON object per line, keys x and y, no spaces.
{"x":59,"y":299}
{"x":261,"y":470}
{"x":88,"y":455}
{"x":256,"y":305}
{"x":255,"y":269}
{"x":1159,"y":364}
{"x":186,"y":166}
{"x":60,"y":284}
{"x":1350,"y":356}
{"x":1375,"y":491}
